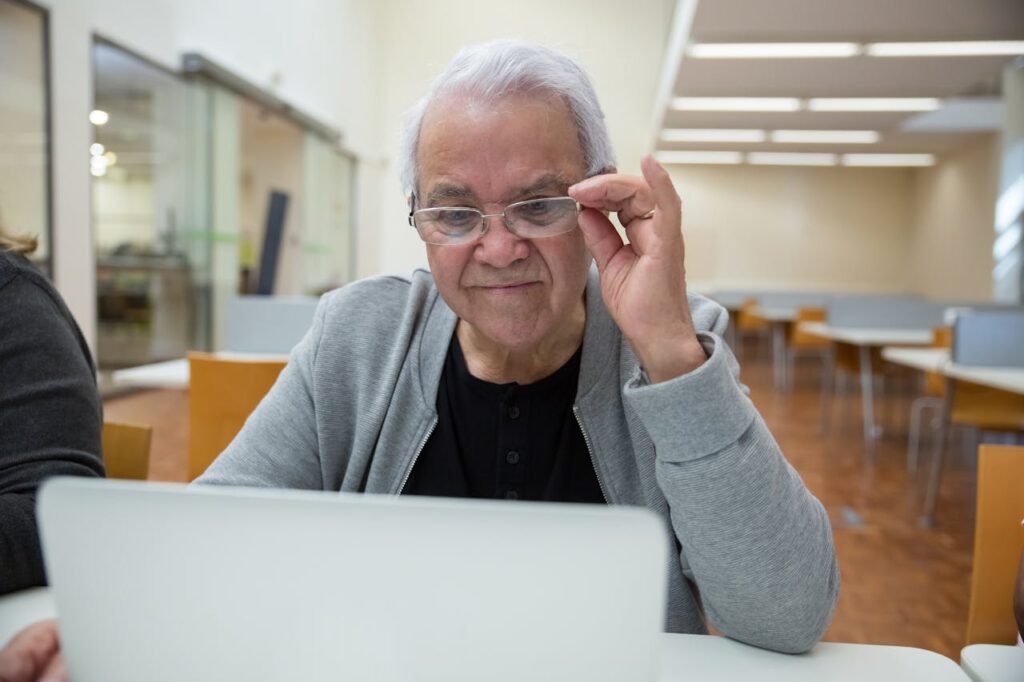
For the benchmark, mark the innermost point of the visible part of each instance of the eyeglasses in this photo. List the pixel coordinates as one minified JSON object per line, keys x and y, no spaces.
{"x":531,"y":219}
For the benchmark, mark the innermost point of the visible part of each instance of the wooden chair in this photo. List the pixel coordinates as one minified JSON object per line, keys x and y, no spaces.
{"x":223,"y":392}
{"x":801,"y":343}
{"x":126,"y":450}
{"x":748,"y":324}
{"x":998,"y":542}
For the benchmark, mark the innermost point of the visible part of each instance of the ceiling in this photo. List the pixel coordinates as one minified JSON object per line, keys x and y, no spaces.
{"x":969,"y":84}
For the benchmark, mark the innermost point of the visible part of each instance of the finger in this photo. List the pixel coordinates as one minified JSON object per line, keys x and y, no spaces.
{"x":28,"y":652}
{"x":621,"y":193}
{"x":600,"y":235}
{"x":666,"y":199}
{"x":56,"y":671}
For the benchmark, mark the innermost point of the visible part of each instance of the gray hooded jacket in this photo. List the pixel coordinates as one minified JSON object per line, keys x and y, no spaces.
{"x":356,"y":404}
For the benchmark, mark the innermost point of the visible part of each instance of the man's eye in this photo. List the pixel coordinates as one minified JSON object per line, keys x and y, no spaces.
{"x":537,"y":208}
{"x":458,"y":218}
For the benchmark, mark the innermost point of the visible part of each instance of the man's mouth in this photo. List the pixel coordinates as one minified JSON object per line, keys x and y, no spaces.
{"x":508,"y":287}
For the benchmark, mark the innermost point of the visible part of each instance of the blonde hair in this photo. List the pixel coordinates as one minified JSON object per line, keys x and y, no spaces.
{"x":25,"y":244}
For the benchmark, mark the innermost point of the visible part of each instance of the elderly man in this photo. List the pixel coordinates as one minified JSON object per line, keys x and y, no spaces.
{"x":515,"y":369}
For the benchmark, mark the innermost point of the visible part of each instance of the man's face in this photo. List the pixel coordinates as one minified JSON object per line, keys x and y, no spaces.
{"x":515,"y":292}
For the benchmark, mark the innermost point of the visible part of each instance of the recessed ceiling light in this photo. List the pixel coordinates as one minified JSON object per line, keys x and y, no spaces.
{"x":888,"y":159}
{"x":712,"y":135}
{"x":98,"y":117}
{"x":771,"y":50}
{"x":670,"y":157}
{"x":825,"y":136}
{"x":873,"y":104}
{"x":966,"y":48}
{"x":736,"y":104}
{"x":790,"y":159}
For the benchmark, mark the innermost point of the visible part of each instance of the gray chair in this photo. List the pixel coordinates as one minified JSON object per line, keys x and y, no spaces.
{"x":267,"y":324}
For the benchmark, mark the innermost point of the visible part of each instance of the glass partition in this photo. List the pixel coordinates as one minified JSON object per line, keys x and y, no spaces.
{"x":146,"y":166}
{"x":24,"y":146}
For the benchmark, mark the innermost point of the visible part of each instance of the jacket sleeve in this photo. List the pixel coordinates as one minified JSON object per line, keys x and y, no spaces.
{"x":278,"y":446}
{"x":50,"y":419}
{"x":755,"y":541}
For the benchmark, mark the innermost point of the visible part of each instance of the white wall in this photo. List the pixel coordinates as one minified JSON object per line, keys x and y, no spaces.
{"x":619,"y":43}
{"x":782,"y":227}
{"x":954,"y":209}
{"x":319,"y":56}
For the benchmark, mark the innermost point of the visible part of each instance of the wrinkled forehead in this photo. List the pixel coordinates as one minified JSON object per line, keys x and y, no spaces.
{"x":494,"y":150}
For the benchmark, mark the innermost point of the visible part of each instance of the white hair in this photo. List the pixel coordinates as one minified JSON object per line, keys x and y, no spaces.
{"x":498,"y":69}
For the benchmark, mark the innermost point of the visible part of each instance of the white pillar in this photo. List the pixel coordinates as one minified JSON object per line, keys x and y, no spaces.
{"x":71,"y":93}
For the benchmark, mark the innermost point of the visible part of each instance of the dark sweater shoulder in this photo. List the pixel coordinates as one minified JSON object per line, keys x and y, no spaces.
{"x":26,"y":293}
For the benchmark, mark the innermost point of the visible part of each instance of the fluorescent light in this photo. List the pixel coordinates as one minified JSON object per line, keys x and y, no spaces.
{"x":888,"y":159}
{"x":712,"y":135}
{"x":947,"y":49}
{"x":670,"y":157}
{"x":98,"y":117}
{"x":96,"y":149}
{"x":771,"y":50}
{"x":825,"y":136}
{"x":736,"y":104}
{"x":790,"y":159}
{"x":873,"y":104}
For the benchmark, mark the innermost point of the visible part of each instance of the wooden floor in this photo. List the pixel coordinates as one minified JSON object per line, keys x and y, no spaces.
{"x":901,"y":584}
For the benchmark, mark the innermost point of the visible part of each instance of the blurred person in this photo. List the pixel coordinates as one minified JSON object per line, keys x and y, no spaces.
{"x":50,"y":414}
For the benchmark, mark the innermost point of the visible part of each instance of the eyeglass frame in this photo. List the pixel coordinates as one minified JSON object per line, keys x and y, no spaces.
{"x":482,"y":230}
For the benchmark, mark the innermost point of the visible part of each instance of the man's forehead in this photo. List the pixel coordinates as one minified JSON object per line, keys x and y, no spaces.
{"x":544,"y":181}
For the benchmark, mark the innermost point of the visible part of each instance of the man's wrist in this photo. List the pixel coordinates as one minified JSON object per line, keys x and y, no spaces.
{"x":673,"y":358}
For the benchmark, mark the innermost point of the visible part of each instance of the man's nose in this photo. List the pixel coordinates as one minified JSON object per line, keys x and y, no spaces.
{"x":499,"y":247}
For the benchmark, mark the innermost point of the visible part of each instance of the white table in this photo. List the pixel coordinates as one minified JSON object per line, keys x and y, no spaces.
{"x":174,"y":373}
{"x":713,"y":659}
{"x":1009,"y":379}
{"x":993,"y":662}
{"x":865,"y":340}
{"x":685,"y":657}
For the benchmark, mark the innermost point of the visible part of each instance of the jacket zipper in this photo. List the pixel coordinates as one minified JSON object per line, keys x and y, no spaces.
{"x":590,"y":451}
{"x":423,"y":444}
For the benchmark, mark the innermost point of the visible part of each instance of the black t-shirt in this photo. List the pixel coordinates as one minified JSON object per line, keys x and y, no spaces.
{"x":506,"y":440}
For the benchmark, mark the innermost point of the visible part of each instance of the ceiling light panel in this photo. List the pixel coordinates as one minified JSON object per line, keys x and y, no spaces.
{"x":712,"y":135}
{"x":790,"y":159}
{"x":973,"y":48}
{"x":825,"y":136}
{"x":736,"y":104}
{"x":771,"y":50}
{"x":888,"y":159}
{"x":873,"y":104}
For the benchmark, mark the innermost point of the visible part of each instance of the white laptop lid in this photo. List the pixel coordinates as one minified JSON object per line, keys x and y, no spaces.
{"x":156,"y":582}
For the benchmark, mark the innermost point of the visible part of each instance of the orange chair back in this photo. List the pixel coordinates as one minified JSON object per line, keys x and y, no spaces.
{"x":747,"y":320}
{"x":126,"y":450}
{"x":934,"y":382}
{"x":798,"y":338}
{"x":998,"y":542}
{"x":223,"y":392}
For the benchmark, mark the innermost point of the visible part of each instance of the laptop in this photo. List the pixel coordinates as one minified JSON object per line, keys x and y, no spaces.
{"x":158,"y":582}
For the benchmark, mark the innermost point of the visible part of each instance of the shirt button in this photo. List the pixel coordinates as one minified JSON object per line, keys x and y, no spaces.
{"x":512,"y":457}
{"x":513,"y":412}
{"x":511,"y":495}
